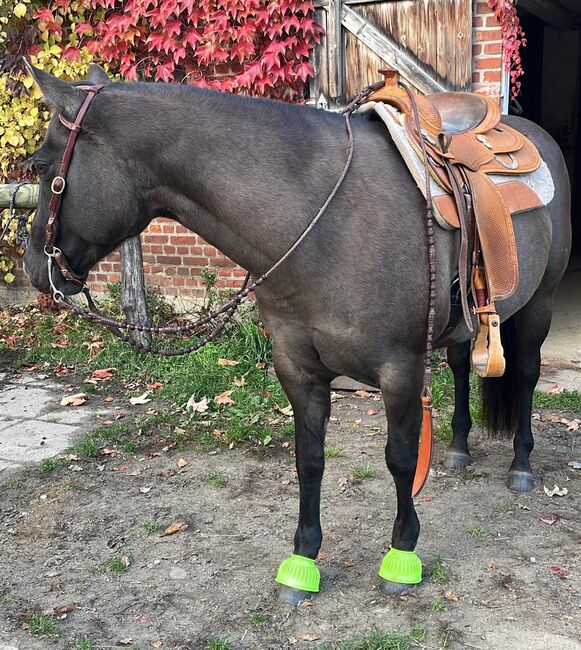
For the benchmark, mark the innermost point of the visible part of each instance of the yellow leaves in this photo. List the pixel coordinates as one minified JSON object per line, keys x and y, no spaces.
{"x":20,"y":10}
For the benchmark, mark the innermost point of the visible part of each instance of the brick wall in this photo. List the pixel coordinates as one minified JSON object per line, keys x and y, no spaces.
{"x":173,"y":259}
{"x":486,"y":51}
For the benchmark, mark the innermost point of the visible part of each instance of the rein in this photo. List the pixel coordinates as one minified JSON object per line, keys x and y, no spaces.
{"x":225,"y":311}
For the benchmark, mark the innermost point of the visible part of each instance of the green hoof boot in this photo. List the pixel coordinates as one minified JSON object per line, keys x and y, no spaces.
{"x":300,"y":574}
{"x":399,"y":570}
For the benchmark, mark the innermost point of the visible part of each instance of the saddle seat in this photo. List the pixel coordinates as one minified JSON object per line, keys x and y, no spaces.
{"x":465,"y":143}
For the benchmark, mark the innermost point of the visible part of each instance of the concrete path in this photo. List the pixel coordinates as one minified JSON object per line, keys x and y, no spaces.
{"x":33,"y":425}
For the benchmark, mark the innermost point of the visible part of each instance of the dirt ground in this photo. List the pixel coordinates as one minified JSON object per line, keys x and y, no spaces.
{"x":513,"y":578}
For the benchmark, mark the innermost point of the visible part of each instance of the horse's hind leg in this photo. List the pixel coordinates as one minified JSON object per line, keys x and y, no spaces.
{"x":459,"y":361}
{"x":401,"y":392}
{"x":532,"y":326}
{"x":310,"y":397}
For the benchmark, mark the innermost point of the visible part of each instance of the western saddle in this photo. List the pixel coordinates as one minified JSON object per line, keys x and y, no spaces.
{"x":465,"y":143}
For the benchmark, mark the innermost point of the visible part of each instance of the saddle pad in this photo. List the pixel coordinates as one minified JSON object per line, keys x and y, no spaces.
{"x":540,"y":182}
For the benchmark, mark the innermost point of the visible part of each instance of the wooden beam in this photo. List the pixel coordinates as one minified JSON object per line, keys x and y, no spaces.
{"x":389,"y":51}
{"x":26,"y":196}
{"x":335,"y":49}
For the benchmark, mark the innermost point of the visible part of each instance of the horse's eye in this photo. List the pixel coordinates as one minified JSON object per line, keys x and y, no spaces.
{"x":40,"y":167}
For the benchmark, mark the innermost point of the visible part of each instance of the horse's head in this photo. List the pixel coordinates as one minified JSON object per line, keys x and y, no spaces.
{"x":98,"y":208}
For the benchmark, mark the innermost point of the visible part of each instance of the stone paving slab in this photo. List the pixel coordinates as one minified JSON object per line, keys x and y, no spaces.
{"x":33,"y":424}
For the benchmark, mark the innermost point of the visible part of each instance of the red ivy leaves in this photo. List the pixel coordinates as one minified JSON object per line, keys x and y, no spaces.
{"x":251,"y":46}
{"x":513,"y":38}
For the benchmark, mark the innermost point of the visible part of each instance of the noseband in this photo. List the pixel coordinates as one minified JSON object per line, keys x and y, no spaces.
{"x":57,"y":187}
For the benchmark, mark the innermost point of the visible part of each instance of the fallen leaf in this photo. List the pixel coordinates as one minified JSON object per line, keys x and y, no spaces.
{"x":575,"y":464}
{"x":197,"y":407}
{"x":371,"y":411}
{"x":239,"y":381}
{"x":347,"y":565}
{"x":181,"y":462}
{"x":108,"y":399}
{"x":154,"y":385}
{"x":451,"y":596}
{"x":560,"y":492}
{"x":550,"y":519}
{"x":174,"y":528}
{"x":260,"y":366}
{"x":490,"y":566}
{"x":168,"y":473}
{"x":124,"y":642}
{"x":362,"y":393}
{"x":177,"y":573}
{"x":109,"y":452}
{"x":74,"y":400}
{"x":227,"y":362}
{"x":156,"y":644}
{"x":286,"y":410}
{"x":142,"y":399}
{"x":555,"y":389}
{"x":321,"y":557}
{"x":60,"y":343}
{"x":145,"y":488}
{"x":308,"y":636}
{"x":224,"y":398}
{"x":103,"y":374}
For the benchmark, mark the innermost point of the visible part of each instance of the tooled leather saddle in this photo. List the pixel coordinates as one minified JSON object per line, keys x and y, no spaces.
{"x":465,"y":143}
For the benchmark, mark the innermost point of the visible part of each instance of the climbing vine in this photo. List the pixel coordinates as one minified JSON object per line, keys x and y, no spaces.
{"x":513,"y":38}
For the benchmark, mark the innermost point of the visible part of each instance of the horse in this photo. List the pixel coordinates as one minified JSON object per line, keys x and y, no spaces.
{"x":248,"y":174}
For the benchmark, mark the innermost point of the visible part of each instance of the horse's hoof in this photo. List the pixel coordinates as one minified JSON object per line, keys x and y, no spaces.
{"x":457,"y":459}
{"x":390,"y":588}
{"x":519,"y":481}
{"x":293,"y":597}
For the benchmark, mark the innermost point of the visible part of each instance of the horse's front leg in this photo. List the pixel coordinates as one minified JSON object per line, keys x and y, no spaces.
{"x":309,"y":395}
{"x":401,"y":567}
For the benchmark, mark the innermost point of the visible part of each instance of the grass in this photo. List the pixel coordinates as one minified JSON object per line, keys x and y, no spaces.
{"x":362,"y":473}
{"x":84,"y":644}
{"x":258,"y":618}
{"x":214,"y":479}
{"x":438,"y":571}
{"x":218,"y":643}
{"x":41,"y":625}
{"x":149,"y":526}
{"x":505,"y":506}
{"x":334,"y":452}
{"x":438,"y":606}
{"x":379,"y":640}
{"x":48,"y":465}
{"x":566,"y":401}
{"x":118,"y":564}
{"x":477,"y":532}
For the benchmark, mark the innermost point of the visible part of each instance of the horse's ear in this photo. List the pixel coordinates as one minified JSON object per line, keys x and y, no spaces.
{"x":58,"y":93}
{"x":97,"y":75}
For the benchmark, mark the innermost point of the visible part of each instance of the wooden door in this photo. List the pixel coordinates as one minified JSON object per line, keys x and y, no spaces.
{"x":428,"y":41}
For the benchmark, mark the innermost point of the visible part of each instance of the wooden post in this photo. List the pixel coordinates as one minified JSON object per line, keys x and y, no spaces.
{"x":133,"y":300}
{"x":133,"y":295}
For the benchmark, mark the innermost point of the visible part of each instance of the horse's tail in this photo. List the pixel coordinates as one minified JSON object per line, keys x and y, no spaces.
{"x":500,"y":395}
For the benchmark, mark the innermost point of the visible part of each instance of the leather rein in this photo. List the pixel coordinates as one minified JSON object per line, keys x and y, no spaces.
{"x":224,"y":312}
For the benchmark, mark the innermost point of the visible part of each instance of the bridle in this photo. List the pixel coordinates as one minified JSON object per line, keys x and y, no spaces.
{"x":57,"y":187}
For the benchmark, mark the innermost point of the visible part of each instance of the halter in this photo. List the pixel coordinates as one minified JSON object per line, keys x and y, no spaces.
{"x":57,"y":187}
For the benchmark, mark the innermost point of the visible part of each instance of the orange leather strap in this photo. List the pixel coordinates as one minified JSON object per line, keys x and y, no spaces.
{"x":425,"y":448}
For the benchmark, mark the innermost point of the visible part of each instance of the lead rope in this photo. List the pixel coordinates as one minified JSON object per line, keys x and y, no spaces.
{"x":228,"y":308}
{"x":427,"y":438}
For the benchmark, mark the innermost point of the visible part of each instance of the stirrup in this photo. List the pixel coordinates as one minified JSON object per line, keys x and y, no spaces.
{"x":487,"y":352}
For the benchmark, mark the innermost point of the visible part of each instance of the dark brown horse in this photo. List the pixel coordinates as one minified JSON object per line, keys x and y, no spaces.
{"x":248,"y":175}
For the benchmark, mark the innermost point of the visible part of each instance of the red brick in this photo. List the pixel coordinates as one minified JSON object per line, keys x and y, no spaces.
{"x":476,"y":77}
{"x":157,"y":239}
{"x":482,"y":8}
{"x":493,"y":48}
{"x":492,"y":75}
{"x":488,"y":35}
{"x":169,"y":250}
{"x":169,"y":259}
{"x":477,"y":21}
{"x":488,"y":63}
{"x":195,"y":261}
{"x":179,"y":282}
{"x":153,"y":227}
{"x":182,"y":250}
{"x":491,"y":21}
{"x":476,"y":50}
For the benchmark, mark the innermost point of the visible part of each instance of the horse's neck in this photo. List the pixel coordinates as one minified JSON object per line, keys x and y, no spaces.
{"x":247,"y":177}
